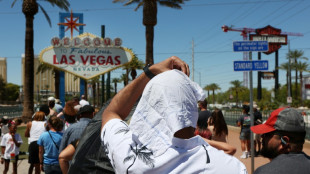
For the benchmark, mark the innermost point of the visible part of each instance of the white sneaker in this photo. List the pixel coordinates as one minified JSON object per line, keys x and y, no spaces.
{"x":244,"y":155}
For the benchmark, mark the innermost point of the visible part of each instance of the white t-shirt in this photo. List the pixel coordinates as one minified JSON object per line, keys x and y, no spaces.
{"x":9,"y":145}
{"x":83,"y":102}
{"x":187,"y":156}
{"x":37,"y":128}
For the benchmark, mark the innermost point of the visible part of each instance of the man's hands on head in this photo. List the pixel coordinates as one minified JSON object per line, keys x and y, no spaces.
{"x":123,"y":102}
{"x":169,"y":64}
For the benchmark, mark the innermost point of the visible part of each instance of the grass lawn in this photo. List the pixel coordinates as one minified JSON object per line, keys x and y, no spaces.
{"x":24,"y":146}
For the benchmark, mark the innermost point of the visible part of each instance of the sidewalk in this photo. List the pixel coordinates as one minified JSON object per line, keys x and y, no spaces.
{"x":233,"y":139}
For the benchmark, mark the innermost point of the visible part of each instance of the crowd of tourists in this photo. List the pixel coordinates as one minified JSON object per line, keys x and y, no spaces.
{"x":167,"y":133}
{"x":49,"y":133}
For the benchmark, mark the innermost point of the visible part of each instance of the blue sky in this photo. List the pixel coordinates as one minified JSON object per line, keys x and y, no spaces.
{"x":199,"y":21}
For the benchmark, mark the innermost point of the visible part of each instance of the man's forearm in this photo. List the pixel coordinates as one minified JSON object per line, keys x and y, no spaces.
{"x":122,"y":103}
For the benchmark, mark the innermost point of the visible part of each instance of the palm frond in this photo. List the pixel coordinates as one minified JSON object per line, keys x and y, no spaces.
{"x":42,"y":68}
{"x":62,"y":4}
{"x":13,"y":3}
{"x":46,"y":15}
{"x":170,"y":4}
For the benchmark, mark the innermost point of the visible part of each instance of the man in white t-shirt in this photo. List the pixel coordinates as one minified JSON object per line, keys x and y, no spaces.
{"x":160,"y":137}
{"x":83,"y":102}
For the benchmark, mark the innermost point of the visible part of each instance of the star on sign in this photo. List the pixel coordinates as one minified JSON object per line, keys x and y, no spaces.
{"x":71,"y":24}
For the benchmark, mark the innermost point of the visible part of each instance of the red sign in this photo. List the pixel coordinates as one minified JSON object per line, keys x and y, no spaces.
{"x":307,"y":86}
{"x":272,"y":35}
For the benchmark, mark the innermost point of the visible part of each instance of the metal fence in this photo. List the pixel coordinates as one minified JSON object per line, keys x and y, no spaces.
{"x":231,"y":116}
{"x":11,"y":111}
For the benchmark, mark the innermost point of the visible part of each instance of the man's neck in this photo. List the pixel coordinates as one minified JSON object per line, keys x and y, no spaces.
{"x":185,"y":133}
{"x":203,"y":109}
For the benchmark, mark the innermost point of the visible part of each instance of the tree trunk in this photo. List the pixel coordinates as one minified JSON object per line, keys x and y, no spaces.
{"x":98,"y":96}
{"x":94,"y":93}
{"x":237,"y":98}
{"x":126,"y":80}
{"x":57,"y":83}
{"x":149,"y":20}
{"x":301,"y":84}
{"x":85,"y":89}
{"x":296,"y":75}
{"x":213,"y":96}
{"x":30,"y":8}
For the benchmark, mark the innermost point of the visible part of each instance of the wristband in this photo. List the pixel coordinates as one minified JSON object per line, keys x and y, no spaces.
{"x":147,"y":71}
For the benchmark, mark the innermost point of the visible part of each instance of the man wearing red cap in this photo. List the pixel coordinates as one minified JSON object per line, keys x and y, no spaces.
{"x":283,"y":137}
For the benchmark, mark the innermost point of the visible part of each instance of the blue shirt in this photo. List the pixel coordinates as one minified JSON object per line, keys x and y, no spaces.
{"x":51,"y":152}
{"x":58,"y":108}
{"x":73,"y":132}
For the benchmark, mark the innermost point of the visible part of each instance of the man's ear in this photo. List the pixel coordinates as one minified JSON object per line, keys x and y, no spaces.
{"x":285,"y":140}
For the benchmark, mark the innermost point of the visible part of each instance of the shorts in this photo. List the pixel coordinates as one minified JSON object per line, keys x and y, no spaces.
{"x":9,"y":160}
{"x":33,"y":153}
{"x":245,"y":135}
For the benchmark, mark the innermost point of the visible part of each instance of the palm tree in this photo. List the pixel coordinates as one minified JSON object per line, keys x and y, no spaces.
{"x":207,"y":88}
{"x":295,"y":54}
{"x":237,"y":87}
{"x":30,"y":8}
{"x":302,"y":67}
{"x":94,"y":81}
{"x":133,"y":66}
{"x":284,"y":66}
{"x":150,"y":19}
{"x":115,"y":81}
{"x":124,"y":79}
{"x":214,"y":87}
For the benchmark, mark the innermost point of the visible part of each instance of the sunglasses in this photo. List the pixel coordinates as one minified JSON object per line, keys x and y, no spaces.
{"x":270,"y":134}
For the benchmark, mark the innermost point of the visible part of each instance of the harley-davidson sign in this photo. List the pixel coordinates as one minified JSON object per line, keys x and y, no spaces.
{"x":272,"y":35}
{"x":86,"y":56}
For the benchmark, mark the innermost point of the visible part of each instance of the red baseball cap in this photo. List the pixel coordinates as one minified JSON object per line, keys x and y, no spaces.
{"x":284,"y":119}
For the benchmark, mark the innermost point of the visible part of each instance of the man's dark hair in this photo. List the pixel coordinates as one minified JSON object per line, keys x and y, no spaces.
{"x":45,"y":109}
{"x":51,"y":103}
{"x":203,"y":103}
{"x":246,"y":108}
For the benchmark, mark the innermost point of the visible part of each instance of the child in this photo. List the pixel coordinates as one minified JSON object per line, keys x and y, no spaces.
{"x":10,"y":144}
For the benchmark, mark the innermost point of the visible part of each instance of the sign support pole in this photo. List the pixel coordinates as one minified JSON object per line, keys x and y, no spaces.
{"x":62,"y":73}
{"x":102,"y":76}
{"x":252,"y":116}
{"x":259,"y":80}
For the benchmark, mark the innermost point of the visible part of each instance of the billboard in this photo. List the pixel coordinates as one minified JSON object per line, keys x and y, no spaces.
{"x":86,"y":55}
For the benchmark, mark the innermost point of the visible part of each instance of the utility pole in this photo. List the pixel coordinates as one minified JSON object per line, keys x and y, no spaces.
{"x":289,"y":94}
{"x":102,"y":76}
{"x":193,"y":71}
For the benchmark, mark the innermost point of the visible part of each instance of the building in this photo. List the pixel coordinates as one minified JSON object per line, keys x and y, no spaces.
{"x":306,"y":87}
{"x":44,"y":83}
{"x":3,"y":68}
